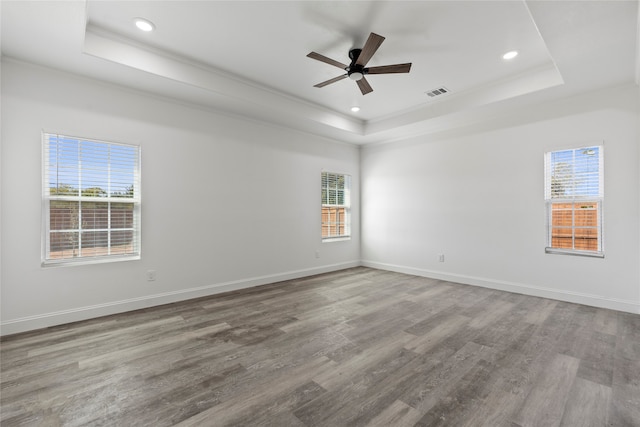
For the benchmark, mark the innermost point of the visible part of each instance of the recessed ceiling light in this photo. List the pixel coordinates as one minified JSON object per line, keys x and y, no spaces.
{"x":355,"y":109}
{"x":144,"y":24}
{"x":510,"y":55}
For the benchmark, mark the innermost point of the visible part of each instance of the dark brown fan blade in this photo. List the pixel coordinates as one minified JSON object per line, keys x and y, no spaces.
{"x":388,"y":69}
{"x":322,"y":58}
{"x":333,"y":80}
{"x":372,"y":44}
{"x":364,"y":86}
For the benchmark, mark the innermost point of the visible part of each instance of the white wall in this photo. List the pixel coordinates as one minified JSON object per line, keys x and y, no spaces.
{"x":226,"y":203}
{"x":476,"y":196}
{"x":230,"y":203}
{"x":638,"y":144}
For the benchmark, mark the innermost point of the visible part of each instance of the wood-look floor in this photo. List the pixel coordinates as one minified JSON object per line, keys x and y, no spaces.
{"x":358,"y":347}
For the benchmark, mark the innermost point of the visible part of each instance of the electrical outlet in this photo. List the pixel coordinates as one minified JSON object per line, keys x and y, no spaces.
{"x":151,"y":275}
{"x":440,"y":257}
{"x":317,"y":254}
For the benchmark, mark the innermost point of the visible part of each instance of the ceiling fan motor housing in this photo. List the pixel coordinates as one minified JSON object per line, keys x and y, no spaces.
{"x":355,"y":71}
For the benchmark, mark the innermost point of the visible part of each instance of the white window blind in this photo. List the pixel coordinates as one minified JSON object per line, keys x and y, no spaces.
{"x":91,"y":200}
{"x":574,"y":195}
{"x":336,"y":205}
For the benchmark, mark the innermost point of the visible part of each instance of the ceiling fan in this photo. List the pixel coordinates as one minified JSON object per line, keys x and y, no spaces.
{"x":356,"y":70}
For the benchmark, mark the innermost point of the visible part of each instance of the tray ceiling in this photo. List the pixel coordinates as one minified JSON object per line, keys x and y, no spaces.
{"x":249,"y":58}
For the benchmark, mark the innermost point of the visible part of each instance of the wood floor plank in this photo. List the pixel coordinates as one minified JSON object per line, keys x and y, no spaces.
{"x":588,"y":405}
{"x":130,"y":330}
{"x":350,"y":368}
{"x":439,"y":329}
{"x":628,"y":336}
{"x":277,"y":412}
{"x":228,"y":413}
{"x":322,"y":317}
{"x":138,"y":351}
{"x":543,"y":308}
{"x":491,"y":313}
{"x":398,"y":414}
{"x":545,"y":404}
{"x":625,"y":402}
{"x":455,"y":405}
{"x":512,"y":376}
{"x":364,"y":398}
{"x":433,"y":385}
{"x":597,"y":361}
{"x":606,"y":322}
{"x":356,"y":347}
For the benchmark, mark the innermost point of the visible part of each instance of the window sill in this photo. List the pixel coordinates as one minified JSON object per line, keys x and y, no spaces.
{"x":335,"y":239}
{"x":71,"y":262}
{"x":592,"y":254}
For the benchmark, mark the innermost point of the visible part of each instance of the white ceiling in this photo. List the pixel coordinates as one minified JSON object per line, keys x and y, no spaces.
{"x":249,"y":58}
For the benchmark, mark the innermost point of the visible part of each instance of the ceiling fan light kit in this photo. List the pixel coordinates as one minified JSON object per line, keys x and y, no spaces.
{"x":357,"y":69}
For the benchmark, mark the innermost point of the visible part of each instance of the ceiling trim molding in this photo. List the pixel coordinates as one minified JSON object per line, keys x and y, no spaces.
{"x":257,"y":100}
{"x":544,"y":77}
{"x":264,"y":104}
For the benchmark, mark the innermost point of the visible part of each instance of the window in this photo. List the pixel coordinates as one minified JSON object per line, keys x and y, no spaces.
{"x":574,"y":197}
{"x":336,"y":206}
{"x":91,"y":200}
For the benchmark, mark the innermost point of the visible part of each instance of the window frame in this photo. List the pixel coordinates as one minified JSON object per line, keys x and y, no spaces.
{"x":346,"y":205}
{"x":574,"y":200}
{"x":109,"y":199}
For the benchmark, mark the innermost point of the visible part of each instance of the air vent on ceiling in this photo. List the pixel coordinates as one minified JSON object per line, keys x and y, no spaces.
{"x":437,"y":92}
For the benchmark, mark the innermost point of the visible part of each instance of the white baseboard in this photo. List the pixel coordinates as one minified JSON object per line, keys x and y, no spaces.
{"x":519,"y":288}
{"x":89,"y":312}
